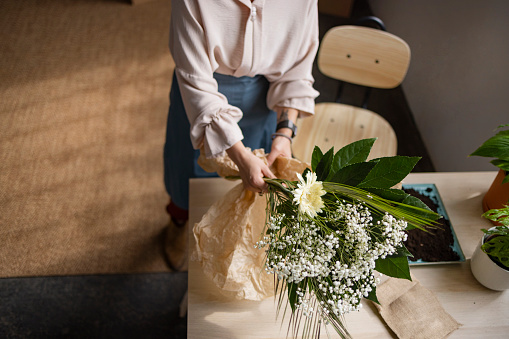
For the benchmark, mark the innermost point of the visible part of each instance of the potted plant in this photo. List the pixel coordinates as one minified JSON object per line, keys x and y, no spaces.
{"x":497,"y":147}
{"x":490,"y":261}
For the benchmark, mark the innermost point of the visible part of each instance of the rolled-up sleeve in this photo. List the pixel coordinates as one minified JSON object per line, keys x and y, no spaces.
{"x":293,"y":88}
{"x":214,"y":123}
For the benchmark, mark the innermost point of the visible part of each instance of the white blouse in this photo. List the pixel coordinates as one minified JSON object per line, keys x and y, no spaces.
{"x":274,"y":38}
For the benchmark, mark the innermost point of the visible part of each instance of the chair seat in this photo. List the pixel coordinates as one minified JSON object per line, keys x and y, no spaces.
{"x":337,"y":125}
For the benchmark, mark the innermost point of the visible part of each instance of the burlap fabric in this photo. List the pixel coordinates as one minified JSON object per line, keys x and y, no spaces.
{"x":83,"y":109}
{"x":412,"y":311}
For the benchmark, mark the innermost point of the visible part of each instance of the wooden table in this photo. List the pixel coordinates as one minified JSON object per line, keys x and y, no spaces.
{"x":483,"y":313}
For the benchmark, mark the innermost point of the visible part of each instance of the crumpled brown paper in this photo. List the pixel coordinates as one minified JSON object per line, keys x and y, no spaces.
{"x":226,"y":235}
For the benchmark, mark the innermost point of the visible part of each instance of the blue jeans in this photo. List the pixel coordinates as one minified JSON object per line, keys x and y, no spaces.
{"x":180,"y":159}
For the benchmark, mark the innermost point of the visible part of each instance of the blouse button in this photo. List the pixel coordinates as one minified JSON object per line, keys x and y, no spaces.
{"x":253,"y":13}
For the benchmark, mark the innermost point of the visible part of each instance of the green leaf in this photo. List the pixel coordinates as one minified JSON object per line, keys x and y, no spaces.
{"x":504,"y":165}
{"x":396,"y":267}
{"x":403,"y":252}
{"x":389,"y":171}
{"x":372,"y":296}
{"x":498,"y":230}
{"x":506,"y":180}
{"x":495,"y":147}
{"x":414,"y":201}
{"x":391,"y":194}
{"x":305,"y":172}
{"x":400,"y":196}
{"x":353,"y":174}
{"x":324,"y":166}
{"x":498,"y":247}
{"x":423,"y":211}
{"x":316,"y":157}
{"x":357,"y":151}
{"x":292,"y":295}
{"x":501,"y":216}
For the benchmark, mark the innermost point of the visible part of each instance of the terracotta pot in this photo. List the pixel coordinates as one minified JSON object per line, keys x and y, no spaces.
{"x":498,"y":194}
{"x":486,"y":271}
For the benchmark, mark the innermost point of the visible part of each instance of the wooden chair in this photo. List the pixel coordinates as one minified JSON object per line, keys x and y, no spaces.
{"x":359,"y":55}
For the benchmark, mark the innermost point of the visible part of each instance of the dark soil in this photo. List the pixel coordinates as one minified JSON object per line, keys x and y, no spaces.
{"x":434,"y":245}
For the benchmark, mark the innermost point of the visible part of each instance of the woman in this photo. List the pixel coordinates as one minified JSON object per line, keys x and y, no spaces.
{"x":242,"y":78}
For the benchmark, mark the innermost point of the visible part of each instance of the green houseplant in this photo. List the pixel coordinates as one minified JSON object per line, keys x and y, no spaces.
{"x":490,"y":261}
{"x":497,"y":147}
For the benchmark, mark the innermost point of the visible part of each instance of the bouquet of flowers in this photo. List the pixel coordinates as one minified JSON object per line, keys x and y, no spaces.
{"x":327,"y":234}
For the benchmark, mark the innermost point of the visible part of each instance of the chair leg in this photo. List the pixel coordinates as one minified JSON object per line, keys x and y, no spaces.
{"x":366,"y":98}
{"x":339,"y":92}
{"x":183,"y":306}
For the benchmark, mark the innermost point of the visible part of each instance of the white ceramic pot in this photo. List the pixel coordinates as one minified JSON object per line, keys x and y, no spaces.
{"x":488,"y":272}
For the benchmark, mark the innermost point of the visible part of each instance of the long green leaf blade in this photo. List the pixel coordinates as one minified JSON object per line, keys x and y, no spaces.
{"x":412,"y":214}
{"x":292,"y":295}
{"x":391,"y":194}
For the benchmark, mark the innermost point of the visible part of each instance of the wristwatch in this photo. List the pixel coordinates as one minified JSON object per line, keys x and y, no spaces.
{"x":287,"y":124}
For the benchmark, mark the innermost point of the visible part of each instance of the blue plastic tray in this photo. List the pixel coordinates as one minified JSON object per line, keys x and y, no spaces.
{"x":431,"y":191}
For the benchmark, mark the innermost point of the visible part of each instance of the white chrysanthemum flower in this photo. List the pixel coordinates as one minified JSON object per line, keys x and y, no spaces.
{"x":308,"y":195}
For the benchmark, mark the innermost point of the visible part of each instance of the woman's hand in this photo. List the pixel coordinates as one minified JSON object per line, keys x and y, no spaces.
{"x":281,"y":146}
{"x":252,"y":169}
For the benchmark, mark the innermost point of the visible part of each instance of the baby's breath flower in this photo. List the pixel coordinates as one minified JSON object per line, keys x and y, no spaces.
{"x":329,"y":257}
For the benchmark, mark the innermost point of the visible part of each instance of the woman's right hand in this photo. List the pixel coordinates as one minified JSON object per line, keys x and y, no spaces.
{"x":252,"y":169}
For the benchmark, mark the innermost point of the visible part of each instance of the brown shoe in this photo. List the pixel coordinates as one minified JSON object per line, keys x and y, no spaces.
{"x":176,"y":246}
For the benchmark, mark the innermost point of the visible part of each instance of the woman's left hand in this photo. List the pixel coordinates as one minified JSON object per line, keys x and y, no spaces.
{"x":281,"y":146}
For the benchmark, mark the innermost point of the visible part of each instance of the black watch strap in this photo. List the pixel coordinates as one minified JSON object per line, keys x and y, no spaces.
{"x":288,"y":124}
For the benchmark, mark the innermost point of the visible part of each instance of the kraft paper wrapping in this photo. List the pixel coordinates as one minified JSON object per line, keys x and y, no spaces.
{"x":226,"y":235}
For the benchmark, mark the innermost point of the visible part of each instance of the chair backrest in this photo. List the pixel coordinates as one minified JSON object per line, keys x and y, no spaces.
{"x":364,"y":56}
{"x":338,"y":125}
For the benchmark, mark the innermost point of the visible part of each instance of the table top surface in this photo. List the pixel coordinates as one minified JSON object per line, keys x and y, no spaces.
{"x":483,"y":313}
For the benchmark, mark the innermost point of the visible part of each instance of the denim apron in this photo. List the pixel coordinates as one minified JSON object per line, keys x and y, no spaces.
{"x":257,"y":125}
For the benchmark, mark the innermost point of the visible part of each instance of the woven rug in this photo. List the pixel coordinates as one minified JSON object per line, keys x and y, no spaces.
{"x":83,"y":103}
